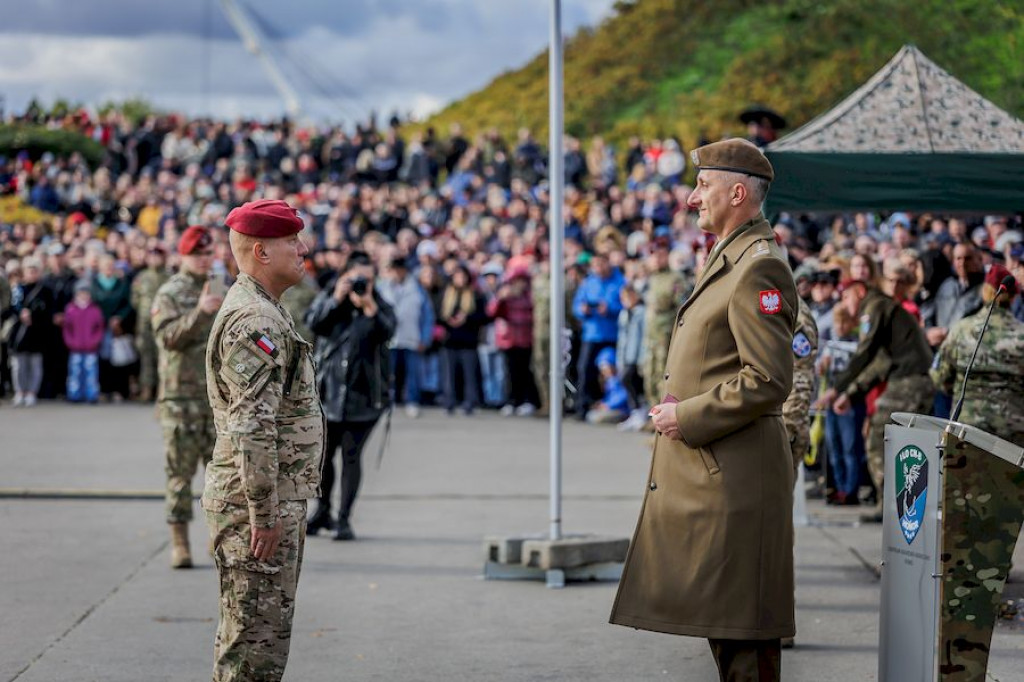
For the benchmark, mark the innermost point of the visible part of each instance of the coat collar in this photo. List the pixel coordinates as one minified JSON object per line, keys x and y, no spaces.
{"x":732,"y":250}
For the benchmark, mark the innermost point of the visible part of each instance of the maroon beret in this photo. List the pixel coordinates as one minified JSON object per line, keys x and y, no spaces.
{"x":194,"y":239}
{"x":995,"y":276}
{"x":267,"y":218}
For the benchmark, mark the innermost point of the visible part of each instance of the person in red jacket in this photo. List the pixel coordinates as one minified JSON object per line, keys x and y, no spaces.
{"x":83,"y":335}
{"x":513,"y":310}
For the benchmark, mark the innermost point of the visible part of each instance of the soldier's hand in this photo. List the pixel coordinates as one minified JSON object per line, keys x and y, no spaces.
{"x":264,"y":541}
{"x":664,"y":417}
{"x":842,"y":405}
{"x":209,"y":303}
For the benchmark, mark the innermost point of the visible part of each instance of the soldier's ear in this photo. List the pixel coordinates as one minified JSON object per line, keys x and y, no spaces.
{"x":739,"y":194}
{"x":259,"y":252}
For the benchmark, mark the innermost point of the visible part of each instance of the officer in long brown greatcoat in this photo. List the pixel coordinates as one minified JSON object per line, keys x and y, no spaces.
{"x":712,"y":555}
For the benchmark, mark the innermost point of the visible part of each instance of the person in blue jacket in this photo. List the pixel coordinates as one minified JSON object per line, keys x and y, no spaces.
{"x":596,"y":305}
{"x":614,"y":405}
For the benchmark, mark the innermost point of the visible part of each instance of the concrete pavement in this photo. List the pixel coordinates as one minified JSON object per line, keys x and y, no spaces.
{"x":88,"y":594}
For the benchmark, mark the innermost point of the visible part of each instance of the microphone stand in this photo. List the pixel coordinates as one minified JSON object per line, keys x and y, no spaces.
{"x":970,"y":365}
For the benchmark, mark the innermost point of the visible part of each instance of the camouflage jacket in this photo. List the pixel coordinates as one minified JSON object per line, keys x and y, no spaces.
{"x":297,"y":301}
{"x":144,"y":288}
{"x":270,"y":426}
{"x":181,"y":330}
{"x":797,"y":408}
{"x":994,"y":400}
{"x":666,"y":291}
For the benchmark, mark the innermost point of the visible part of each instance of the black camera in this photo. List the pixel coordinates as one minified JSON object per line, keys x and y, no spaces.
{"x":360,"y":285}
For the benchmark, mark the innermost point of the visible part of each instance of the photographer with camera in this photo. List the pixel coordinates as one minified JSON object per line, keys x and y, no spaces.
{"x":353,"y":325}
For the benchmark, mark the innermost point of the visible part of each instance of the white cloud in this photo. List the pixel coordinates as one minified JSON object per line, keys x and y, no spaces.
{"x":398,"y":60}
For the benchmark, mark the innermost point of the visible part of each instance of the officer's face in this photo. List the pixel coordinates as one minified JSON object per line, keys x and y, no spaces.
{"x":711,"y":200}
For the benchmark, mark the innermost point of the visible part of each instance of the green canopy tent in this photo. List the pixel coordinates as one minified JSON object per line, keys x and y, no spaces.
{"x":911,"y":138}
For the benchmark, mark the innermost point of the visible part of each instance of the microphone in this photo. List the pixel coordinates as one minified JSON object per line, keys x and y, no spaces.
{"x":1003,"y":286}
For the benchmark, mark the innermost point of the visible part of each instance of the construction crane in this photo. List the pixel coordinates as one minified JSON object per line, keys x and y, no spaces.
{"x":251,"y":39}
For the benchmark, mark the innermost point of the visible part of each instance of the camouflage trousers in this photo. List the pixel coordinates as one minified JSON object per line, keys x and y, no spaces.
{"x":541,"y":362}
{"x":655,"y":359}
{"x":906,"y":394}
{"x":189,"y":437}
{"x":257,"y":598}
{"x":145,"y":343}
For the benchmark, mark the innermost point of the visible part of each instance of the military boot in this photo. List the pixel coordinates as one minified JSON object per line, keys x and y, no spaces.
{"x":181,"y":556}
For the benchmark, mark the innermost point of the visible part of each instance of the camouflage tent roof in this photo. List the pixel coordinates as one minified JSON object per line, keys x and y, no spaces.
{"x":910,"y":106}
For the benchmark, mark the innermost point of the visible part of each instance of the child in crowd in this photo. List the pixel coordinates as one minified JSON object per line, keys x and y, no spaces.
{"x":614,"y":405}
{"x":628,"y":352}
{"x":83,"y":335}
{"x":843,"y":431}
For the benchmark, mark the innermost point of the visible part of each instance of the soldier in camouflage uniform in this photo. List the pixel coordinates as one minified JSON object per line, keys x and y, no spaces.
{"x":994,"y":401}
{"x":182,"y":314}
{"x":540,"y":290}
{"x":796,"y":411}
{"x":270,"y":441}
{"x":144,"y":288}
{"x":666,"y":291}
{"x":297,"y":301}
{"x":892,"y":348}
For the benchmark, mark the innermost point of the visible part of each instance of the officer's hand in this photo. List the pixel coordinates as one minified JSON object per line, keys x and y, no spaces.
{"x":264,"y":541}
{"x":209,"y":303}
{"x":842,"y":405}
{"x":342,"y":289}
{"x":664,"y":418}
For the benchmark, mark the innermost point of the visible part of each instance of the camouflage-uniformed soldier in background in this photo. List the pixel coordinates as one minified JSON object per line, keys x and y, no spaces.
{"x":666,"y":291}
{"x":994,"y":400}
{"x":540,"y":290}
{"x":182,"y":316}
{"x":270,"y":442}
{"x":892,"y":348}
{"x":144,"y":288}
{"x":796,"y":411}
{"x":297,"y":301}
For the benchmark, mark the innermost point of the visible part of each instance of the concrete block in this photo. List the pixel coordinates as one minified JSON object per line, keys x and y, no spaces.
{"x":573,"y":551}
{"x":506,"y":550}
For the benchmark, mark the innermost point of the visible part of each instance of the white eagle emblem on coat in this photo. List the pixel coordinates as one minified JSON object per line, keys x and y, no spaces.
{"x":771,"y":301}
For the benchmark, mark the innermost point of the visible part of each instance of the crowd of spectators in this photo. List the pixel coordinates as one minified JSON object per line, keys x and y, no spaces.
{"x":457,"y":228}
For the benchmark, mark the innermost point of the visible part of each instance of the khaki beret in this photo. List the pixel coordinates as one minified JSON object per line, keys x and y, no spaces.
{"x":736,"y":155}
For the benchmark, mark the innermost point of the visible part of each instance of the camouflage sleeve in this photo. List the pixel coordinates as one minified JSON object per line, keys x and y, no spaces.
{"x":136,"y":294}
{"x":797,"y":408}
{"x":943,"y":371}
{"x":253,"y":371}
{"x":176,"y":328}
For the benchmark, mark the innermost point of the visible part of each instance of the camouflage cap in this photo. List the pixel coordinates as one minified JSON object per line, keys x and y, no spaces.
{"x":736,"y":155}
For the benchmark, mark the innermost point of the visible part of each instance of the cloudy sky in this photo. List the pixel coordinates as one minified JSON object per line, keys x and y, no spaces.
{"x":343,"y":57}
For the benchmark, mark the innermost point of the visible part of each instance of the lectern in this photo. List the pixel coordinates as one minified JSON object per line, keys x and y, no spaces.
{"x":954,"y":503}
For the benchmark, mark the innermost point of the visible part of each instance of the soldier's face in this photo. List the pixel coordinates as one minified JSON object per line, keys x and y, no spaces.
{"x":286,"y":257}
{"x":710,"y":199}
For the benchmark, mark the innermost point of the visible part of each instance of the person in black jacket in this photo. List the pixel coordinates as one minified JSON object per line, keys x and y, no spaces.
{"x":353,"y":325}
{"x":32,"y":302}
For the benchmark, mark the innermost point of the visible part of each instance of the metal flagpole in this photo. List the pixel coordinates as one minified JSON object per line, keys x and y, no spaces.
{"x":556,"y":230}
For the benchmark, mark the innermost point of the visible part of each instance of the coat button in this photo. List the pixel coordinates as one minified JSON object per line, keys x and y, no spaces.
{"x":666,"y":377}
{"x":654,"y":486}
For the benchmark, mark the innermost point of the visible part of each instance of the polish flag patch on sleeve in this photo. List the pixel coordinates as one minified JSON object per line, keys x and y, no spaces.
{"x":264,"y":343}
{"x":770,"y":301}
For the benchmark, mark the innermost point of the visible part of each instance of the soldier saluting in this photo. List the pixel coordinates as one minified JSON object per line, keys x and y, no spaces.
{"x":712,"y":555}
{"x":182,"y":316}
{"x":270,"y":440}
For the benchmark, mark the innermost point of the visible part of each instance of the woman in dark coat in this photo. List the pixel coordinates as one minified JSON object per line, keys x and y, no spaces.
{"x":462,"y":313}
{"x":353,"y":325}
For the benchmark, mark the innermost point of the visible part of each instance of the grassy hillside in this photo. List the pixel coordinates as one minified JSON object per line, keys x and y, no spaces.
{"x":682,"y":67}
